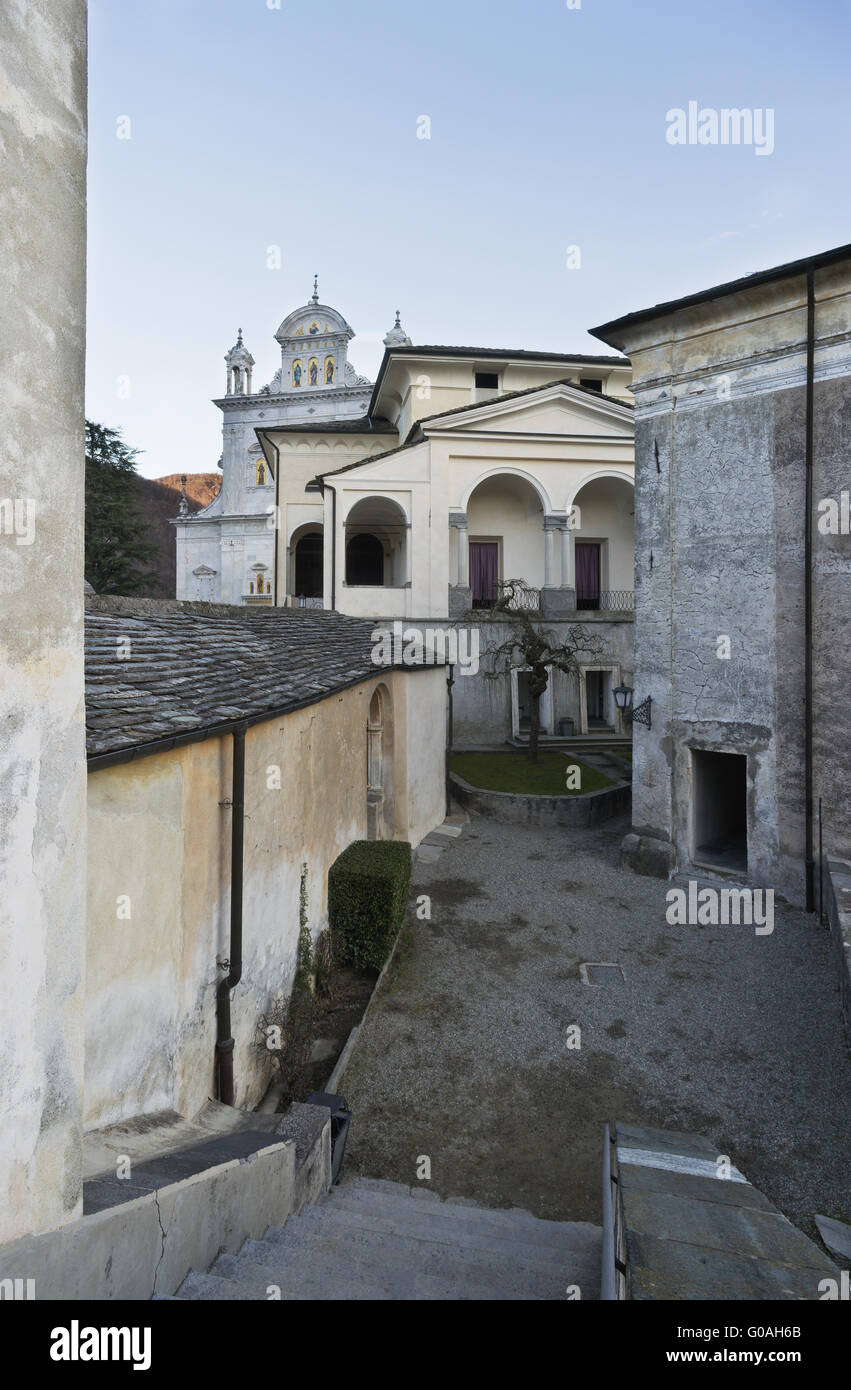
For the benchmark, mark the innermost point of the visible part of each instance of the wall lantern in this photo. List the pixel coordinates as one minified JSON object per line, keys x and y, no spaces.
{"x":623,"y":699}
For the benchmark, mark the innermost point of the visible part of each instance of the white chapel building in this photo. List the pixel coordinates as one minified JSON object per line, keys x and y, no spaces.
{"x":418,"y":496}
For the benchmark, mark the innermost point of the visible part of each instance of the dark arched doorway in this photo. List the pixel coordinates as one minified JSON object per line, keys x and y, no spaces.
{"x":365,"y":560}
{"x":308,"y":567}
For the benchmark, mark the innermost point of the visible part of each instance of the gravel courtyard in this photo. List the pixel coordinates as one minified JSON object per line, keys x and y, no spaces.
{"x":463,"y":1057}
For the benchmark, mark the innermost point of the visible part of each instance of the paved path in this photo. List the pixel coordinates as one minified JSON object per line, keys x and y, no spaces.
{"x":463,"y":1058}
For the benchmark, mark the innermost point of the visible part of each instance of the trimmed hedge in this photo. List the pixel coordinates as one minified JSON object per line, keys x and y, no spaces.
{"x":368,"y":888}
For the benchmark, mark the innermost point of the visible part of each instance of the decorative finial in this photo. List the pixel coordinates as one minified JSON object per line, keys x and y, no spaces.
{"x":397,"y":337}
{"x":183,"y":509}
{"x":315,"y":289}
{"x":239,"y":341}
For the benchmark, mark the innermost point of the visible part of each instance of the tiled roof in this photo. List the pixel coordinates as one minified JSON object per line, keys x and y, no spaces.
{"x":613,"y":330}
{"x":188,"y":670}
{"x":416,"y":428}
{"x":524,"y":354}
{"x":361,"y":424}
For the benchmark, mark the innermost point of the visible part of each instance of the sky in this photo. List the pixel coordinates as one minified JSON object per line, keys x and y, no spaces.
{"x":547,"y":199}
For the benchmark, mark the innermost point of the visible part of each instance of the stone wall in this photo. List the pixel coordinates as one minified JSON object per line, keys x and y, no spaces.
{"x":159,"y":849}
{"x":42,"y":791}
{"x":720,"y":553}
{"x":482,"y":705}
{"x":837,"y":905}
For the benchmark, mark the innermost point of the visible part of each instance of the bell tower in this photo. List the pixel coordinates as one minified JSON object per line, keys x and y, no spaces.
{"x":239,"y":364}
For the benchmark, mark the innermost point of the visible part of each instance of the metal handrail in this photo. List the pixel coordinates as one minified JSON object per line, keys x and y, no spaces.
{"x":608,"y":1288}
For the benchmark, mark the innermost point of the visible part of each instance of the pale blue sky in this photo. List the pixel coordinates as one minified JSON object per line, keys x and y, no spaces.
{"x":253,"y":126}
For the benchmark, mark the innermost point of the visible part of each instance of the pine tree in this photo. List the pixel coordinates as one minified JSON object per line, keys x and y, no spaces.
{"x":117,"y":558}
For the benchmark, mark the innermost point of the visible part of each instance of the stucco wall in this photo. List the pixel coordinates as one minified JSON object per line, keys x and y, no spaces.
{"x":482,"y":706}
{"x":42,"y":790}
{"x":160,"y":837}
{"x":719,"y":539}
{"x":532,"y":454}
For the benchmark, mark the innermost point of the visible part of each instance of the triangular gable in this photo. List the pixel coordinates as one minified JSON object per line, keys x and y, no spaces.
{"x":556,"y":410}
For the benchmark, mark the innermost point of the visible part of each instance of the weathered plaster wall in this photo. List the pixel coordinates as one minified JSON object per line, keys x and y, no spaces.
{"x":720,"y":510}
{"x":160,"y":837}
{"x":42,"y":790}
{"x":482,"y":706}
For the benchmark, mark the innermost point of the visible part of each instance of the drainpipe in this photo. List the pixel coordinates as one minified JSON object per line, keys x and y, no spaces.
{"x":808,"y":600}
{"x":224,"y":1038}
{"x":277,"y":520}
{"x":334,"y":549}
{"x":450,"y":681}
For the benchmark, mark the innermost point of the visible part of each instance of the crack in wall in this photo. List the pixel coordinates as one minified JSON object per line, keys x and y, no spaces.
{"x":156,"y":1196}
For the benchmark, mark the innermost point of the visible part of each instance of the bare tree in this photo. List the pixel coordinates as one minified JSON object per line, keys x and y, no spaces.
{"x":532,"y":647}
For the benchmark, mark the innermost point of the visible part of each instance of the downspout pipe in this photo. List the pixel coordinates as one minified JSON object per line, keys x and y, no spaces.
{"x":333,"y":550}
{"x":224,"y":1036}
{"x":809,"y":862}
{"x":450,"y":734}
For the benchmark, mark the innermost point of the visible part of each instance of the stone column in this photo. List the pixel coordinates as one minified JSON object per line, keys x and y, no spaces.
{"x":460,"y":596}
{"x":42,"y":728}
{"x":566,"y":560}
{"x":557,"y":600}
{"x":548,"y":555}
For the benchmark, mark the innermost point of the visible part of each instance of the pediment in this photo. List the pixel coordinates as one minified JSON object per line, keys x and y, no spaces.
{"x":556,"y":410}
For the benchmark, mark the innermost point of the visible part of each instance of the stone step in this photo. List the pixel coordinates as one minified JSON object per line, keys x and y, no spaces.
{"x":330,"y":1268}
{"x":201,"y":1288}
{"x":557,"y":1236}
{"x":300,"y":1277}
{"x":503,"y":1267}
{"x":582,"y":1252}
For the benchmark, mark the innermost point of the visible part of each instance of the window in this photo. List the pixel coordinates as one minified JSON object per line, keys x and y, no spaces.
{"x":484,"y":573}
{"x":487,"y":381}
{"x":365,"y":560}
{"x":308,"y":567}
{"x":588,"y":574}
{"x":591,"y":383}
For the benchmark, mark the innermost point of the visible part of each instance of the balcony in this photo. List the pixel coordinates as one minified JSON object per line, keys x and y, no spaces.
{"x":514,"y":595}
{"x":608,"y":601}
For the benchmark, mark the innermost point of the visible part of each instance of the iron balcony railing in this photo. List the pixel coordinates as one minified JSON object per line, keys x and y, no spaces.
{"x":516,"y":595}
{"x":609,"y":601}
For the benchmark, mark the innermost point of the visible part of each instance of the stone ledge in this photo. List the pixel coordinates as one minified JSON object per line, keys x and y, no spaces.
{"x":517,"y":808}
{"x":145,"y":1247}
{"x":644,"y":855}
{"x":837,"y":881}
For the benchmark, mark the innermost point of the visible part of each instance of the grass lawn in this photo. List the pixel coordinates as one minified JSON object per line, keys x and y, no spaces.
{"x":512,"y":772}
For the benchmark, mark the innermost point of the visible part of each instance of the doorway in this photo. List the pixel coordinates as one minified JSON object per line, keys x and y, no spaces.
{"x":720,"y":809}
{"x":484,"y":573}
{"x":588,"y":572}
{"x":308,"y":567}
{"x":365,"y":561}
{"x":595,"y":698}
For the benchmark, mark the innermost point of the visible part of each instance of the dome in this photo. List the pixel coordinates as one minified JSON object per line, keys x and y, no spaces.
{"x":397,"y":337}
{"x":239,"y":356}
{"x":313,"y":320}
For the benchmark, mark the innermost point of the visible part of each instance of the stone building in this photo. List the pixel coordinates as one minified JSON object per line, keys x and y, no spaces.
{"x":225,"y":747}
{"x":416,"y":498}
{"x":226,"y":552}
{"x":743,"y":574}
{"x":42,"y":733}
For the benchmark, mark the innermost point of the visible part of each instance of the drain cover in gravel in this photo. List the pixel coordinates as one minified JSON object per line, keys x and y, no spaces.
{"x":601,"y":973}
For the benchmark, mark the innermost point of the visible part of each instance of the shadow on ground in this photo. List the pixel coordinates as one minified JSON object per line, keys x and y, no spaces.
{"x":464,"y":1059}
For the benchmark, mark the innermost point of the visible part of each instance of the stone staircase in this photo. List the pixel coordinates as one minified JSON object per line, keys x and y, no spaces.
{"x":375,"y":1240}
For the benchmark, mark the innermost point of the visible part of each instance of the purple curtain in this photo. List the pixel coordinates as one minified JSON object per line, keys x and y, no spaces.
{"x":484,"y":569}
{"x":587,"y":571}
